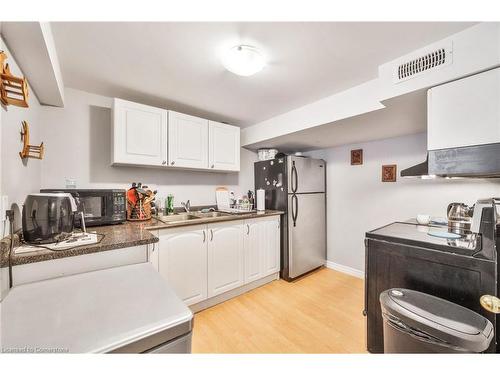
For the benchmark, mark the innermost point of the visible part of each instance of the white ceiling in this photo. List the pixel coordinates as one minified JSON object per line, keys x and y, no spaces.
{"x":176,"y":66}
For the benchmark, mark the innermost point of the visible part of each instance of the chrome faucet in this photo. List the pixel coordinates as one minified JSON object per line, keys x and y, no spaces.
{"x":187,"y":205}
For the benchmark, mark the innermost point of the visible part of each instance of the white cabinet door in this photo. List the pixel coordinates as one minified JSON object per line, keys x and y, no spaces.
{"x":183,"y":261}
{"x":262,"y":247}
{"x":254,"y":249}
{"x":464,"y":112}
{"x":225,"y":257}
{"x":153,"y":255}
{"x":187,"y":141}
{"x":139,"y":134}
{"x":272,"y":251}
{"x":224,"y":147}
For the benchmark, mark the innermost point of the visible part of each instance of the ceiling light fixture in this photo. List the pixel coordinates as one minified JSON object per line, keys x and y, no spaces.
{"x":243,"y":60}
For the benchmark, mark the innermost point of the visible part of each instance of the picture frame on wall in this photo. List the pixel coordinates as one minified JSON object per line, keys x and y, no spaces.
{"x":389,"y":173}
{"x":357,"y":157}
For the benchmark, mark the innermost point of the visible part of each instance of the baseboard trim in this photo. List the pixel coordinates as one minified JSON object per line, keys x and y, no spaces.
{"x":345,"y":269}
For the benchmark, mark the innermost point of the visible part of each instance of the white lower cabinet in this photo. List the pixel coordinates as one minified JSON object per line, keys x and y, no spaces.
{"x":271,"y":246}
{"x":225,"y":257}
{"x":153,"y":257}
{"x":253,"y":250}
{"x":203,"y":261}
{"x":183,"y":261}
{"x":262,"y":247}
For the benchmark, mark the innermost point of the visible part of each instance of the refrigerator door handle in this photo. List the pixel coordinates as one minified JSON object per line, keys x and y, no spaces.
{"x":295,"y":209}
{"x":295,"y":178}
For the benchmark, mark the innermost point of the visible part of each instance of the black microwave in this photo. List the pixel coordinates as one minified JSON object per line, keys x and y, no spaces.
{"x":99,"y":206}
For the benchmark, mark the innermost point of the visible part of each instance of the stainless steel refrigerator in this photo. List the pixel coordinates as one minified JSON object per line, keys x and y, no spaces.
{"x":296,"y":185}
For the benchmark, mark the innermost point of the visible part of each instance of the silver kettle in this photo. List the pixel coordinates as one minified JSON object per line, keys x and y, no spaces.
{"x":459,"y":215}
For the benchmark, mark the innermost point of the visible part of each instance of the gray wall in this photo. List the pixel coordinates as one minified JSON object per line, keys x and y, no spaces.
{"x":358,"y":201}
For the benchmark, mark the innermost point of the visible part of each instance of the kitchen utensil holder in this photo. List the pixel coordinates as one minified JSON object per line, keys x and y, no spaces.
{"x":30,"y":151}
{"x":13,"y":90}
{"x":140,"y":212}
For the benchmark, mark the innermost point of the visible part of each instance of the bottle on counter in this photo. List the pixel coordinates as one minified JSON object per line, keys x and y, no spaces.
{"x":170,"y":204}
{"x":251,"y":198}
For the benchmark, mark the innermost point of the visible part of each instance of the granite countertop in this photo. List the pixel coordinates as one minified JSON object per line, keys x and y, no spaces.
{"x":116,"y":236}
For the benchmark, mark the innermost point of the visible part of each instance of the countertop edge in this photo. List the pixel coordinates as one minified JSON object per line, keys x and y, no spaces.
{"x":147,"y":226}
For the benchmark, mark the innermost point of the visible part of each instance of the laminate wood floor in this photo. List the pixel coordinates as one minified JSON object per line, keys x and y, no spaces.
{"x":320,"y":313}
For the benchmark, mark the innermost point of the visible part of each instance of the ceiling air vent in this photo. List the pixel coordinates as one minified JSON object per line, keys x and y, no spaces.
{"x":416,"y":66}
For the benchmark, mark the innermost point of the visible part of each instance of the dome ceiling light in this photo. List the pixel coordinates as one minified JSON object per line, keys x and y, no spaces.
{"x":243,"y":60}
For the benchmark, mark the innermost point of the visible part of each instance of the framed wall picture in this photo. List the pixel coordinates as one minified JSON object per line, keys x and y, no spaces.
{"x":357,"y":157}
{"x":389,"y":173}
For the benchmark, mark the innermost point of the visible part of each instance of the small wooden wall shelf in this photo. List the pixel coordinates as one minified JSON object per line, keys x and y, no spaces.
{"x":13,"y":90}
{"x":30,"y":151}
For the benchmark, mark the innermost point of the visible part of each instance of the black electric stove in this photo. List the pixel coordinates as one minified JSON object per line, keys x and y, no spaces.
{"x":429,"y":236}
{"x":405,"y":255}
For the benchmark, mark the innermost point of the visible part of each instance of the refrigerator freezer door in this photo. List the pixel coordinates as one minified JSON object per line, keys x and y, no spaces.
{"x":306,"y":175}
{"x":270,"y":175}
{"x":306,"y":233}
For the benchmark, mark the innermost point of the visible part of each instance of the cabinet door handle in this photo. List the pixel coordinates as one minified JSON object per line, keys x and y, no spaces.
{"x":204,"y":236}
{"x":211,"y":235}
{"x":172,"y":163}
{"x":164,"y":162}
{"x":212,"y":166}
{"x":248,"y":229}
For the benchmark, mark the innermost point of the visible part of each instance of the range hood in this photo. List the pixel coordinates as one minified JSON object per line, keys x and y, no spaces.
{"x":463,"y":129}
{"x":481,"y":161}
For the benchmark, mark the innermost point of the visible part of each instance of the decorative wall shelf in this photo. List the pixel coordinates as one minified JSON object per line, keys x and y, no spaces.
{"x":13,"y":90}
{"x":30,"y":151}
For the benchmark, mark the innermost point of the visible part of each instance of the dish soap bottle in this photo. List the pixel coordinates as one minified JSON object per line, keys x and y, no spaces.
{"x":170,"y":204}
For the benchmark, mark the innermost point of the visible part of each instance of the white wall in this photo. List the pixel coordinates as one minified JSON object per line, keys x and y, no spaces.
{"x":18,"y":177}
{"x":357,"y":200}
{"x":78,"y":140}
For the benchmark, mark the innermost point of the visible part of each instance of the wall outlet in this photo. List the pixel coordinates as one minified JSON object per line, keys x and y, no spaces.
{"x":4,"y":206}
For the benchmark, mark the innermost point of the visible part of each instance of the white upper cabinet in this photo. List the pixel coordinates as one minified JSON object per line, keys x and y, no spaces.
{"x":464,"y":112}
{"x":139,"y":134}
{"x":224,"y":147}
{"x":183,"y":261}
{"x":149,"y":136}
{"x":225,"y":257}
{"x":187,"y":141}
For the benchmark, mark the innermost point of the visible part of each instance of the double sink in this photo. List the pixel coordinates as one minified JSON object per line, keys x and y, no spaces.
{"x":190,"y":216}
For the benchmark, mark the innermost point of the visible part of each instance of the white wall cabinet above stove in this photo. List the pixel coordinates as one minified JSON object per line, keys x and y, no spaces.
{"x":465,"y":112}
{"x":155,"y":137}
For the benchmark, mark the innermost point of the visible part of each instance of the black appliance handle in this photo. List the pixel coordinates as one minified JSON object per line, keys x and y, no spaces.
{"x":295,"y":177}
{"x":295,"y":209}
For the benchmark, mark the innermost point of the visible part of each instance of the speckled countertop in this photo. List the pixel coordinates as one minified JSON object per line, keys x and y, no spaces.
{"x":117,"y":236}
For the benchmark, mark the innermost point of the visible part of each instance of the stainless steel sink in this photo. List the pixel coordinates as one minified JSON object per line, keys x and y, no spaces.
{"x":178,"y":218}
{"x":209,"y":214}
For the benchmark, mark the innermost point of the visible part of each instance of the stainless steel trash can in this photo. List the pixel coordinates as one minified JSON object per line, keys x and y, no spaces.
{"x":416,"y":322}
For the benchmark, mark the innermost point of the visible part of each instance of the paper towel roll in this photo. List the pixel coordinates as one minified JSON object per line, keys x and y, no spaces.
{"x":261,"y":200}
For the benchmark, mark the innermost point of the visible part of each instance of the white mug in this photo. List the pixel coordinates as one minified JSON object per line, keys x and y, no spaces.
{"x":423,"y":219}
